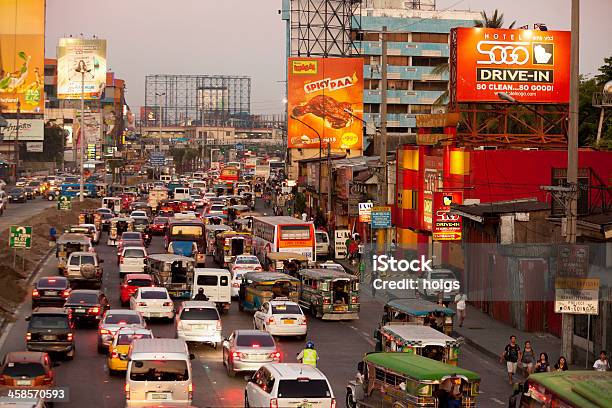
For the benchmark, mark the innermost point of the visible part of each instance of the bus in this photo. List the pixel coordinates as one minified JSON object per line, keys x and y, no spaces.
{"x":192,"y":230}
{"x":283,"y":234}
{"x":73,"y":190}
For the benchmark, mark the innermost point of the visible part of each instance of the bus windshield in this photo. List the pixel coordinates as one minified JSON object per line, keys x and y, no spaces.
{"x":187,"y":230}
{"x":295,"y":232}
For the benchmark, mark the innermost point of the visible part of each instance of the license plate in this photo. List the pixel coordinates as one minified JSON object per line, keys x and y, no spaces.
{"x":48,"y":337}
{"x":51,"y":292}
{"x":158,"y":396}
{"x":199,"y":327}
{"x":79,"y":310}
{"x":289,"y":321}
{"x":24,"y":382}
{"x":153,"y":314}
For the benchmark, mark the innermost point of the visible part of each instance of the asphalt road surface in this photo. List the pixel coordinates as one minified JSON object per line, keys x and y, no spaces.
{"x":17,"y":212}
{"x":340,"y":345}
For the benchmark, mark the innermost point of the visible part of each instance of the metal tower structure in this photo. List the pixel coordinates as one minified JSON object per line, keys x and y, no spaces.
{"x":322,"y":28}
{"x":197,"y":99}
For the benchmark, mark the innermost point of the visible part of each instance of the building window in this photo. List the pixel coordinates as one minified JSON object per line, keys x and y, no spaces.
{"x":228,"y":133}
{"x":371,"y":108}
{"x":420,"y":109}
{"x":371,"y":83}
{"x":371,"y":37}
{"x":400,"y":84}
{"x":397,"y":37}
{"x":397,"y":108}
{"x":428,"y":61}
{"x":430,"y":86}
{"x":397,"y":60}
{"x":430,"y":38}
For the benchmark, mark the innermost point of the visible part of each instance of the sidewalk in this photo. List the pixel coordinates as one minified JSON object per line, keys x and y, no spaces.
{"x":488,"y":335}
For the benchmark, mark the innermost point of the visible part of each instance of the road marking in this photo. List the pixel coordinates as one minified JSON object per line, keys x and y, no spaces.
{"x":497,"y":401}
{"x":363,"y":334}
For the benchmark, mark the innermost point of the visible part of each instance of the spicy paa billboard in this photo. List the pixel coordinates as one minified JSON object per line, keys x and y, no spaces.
{"x":71,"y":52}
{"x":325,"y":96}
{"x":22,"y":55}
{"x":531,"y":66}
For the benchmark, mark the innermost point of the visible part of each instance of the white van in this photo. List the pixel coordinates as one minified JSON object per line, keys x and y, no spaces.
{"x":216,"y":284}
{"x":159,"y":372}
{"x":166,"y":178}
{"x":181,"y":193}
{"x":322,"y":244}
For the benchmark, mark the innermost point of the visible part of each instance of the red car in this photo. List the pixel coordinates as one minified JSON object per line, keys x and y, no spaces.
{"x":159,"y":225}
{"x":130,"y":284}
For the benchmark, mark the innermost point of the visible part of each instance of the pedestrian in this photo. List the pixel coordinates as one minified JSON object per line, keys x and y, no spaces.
{"x":528,"y":358}
{"x":304,"y":216}
{"x":460,"y":301}
{"x":561,"y":364}
{"x":602,"y":364}
{"x":511,"y":354}
{"x":542,"y":366}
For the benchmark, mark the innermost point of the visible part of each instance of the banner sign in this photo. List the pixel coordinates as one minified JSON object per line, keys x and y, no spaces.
{"x":577,"y":296}
{"x":365,"y":212}
{"x":35,"y":147}
{"x":381,"y":217}
{"x":30,"y":130}
{"x":74,"y":51}
{"x":446,"y":226}
{"x":572,"y":260}
{"x":529,"y":65}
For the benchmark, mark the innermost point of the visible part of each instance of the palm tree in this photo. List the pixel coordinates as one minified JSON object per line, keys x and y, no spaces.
{"x":496,"y":21}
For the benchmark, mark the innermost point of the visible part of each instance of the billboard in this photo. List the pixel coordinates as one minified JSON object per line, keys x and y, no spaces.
{"x":30,"y":130}
{"x":529,"y":65}
{"x":22,"y":55}
{"x":213,"y":99}
{"x":327,"y":95}
{"x":70,"y":52}
{"x":446,"y":226}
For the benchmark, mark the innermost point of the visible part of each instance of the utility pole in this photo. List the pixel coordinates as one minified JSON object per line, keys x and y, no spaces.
{"x":381,"y":239}
{"x":17,"y":138}
{"x":82,"y":69}
{"x":567,"y":323}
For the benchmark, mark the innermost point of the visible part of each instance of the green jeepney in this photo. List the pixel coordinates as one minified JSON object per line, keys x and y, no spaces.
{"x":329,"y":294}
{"x":576,"y":389}
{"x":420,"y":312}
{"x":402,"y":380}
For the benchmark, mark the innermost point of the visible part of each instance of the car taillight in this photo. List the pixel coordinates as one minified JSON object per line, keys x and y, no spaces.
{"x":35,"y":293}
{"x":127,"y":391}
{"x":273,"y":403}
{"x":235,"y":356}
{"x":104,"y":331}
{"x":190,"y":390}
{"x":48,"y":379}
{"x":354,"y":299}
{"x":270,"y":320}
{"x":120,"y":259}
{"x":125,"y":285}
{"x":69,"y":336}
{"x":28,"y":336}
{"x":65,"y":293}
{"x":167,"y":303}
{"x":114,"y":354}
{"x":2,"y":380}
{"x":93,"y":310}
{"x":276,"y":355}
{"x":304,"y":321}
{"x":142,"y":304}
{"x":326,"y":301}
{"x":333,"y":403}
{"x":219,"y":325}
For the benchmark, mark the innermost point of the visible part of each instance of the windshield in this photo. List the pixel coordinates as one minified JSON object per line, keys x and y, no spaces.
{"x":125,"y":318}
{"x":250,"y":340}
{"x":321,"y":238}
{"x":24,"y":369}
{"x":48,"y":322}
{"x":200,"y":313}
{"x":126,"y":339}
{"x":286,"y":309}
{"x":303,"y":388}
{"x":153,"y":294}
{"x":141,"y":221}
{"x":159,"y":370}
{"x":134,"y":253}
{"x":87,"y":259}
{"x":131,"y":235}
{"x":52,"y":283}
{"x":187,"y":230}
{"x":250,"y":261}
{"x":82,"y":298}
{"x":139,"y":282}
{"x":295,"y":232}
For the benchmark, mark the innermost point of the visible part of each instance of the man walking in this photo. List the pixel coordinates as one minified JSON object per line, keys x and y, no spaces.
{"x":511,"y":354}
{"x":460,"y":301}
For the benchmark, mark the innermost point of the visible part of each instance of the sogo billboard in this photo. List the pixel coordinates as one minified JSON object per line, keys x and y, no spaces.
{"x":531,"y":66}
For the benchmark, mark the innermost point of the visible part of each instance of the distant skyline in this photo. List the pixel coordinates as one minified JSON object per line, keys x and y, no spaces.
{"x":242,"y":37}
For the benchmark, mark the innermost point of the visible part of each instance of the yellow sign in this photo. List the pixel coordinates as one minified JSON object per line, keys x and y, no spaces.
{"x":577,"y":283}
{"x":304,"y":67}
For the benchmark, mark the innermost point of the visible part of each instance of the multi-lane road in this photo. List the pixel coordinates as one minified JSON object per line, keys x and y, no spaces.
{"x":17,"y":212}
{"x":340,"y":346}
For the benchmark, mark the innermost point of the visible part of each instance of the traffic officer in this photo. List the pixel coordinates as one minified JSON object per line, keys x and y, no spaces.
{"x":308,"y":355}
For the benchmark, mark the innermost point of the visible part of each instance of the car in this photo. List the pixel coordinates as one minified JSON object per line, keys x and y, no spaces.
{"x":199,"y":322}
{"x":84,"y":267}
{"x":248,"y":350}
{"x":131,"y":282}
{"x":322,"y":246}
{"x":106,"y":217}
{"x":113,"y":320}
{"x":26,"y":369}
{"x":128,"y":243}
{"x":50,"y":329}
{"x":159,"y":225}
{"x":217,"y":209}
{"x":131,"y":235}
{"x":39,"y":187}
{"x":281,"y":317}
{"x":449,"y":279}
{"x":21,"y":182}
{"x":132,"y":260}
{"x":87,"y":305}
{"x":246,"y":263}
{"x":236,"y":280}
{"x":50,"y":291}
{"x":331,"y":265}
{"x":166,"y":213}
{"x":17,"y":195}
{"x":199,"y":201}
{"x":139,"y":214}
{"x":30,"y":193}
{"x":289,"y":384}
{"x":119,"y":347}
{"x":153,"y":302}
{"x":92,"y":232}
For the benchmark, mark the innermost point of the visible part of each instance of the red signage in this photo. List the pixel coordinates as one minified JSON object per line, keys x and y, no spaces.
{"x":529,"y":65}
{"x":446,"y":226}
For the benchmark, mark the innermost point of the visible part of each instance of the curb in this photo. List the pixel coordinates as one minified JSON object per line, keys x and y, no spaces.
{"x":477,"y":346}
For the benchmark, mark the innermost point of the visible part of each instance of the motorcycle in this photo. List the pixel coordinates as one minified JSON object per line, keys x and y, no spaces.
{"x":147,"y":238}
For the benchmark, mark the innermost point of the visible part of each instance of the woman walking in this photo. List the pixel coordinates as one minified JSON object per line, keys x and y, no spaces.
{"x":542,"y":366}
{"x":528,"y":358}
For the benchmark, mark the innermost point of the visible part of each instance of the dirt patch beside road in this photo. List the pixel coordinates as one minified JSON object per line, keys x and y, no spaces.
{"x":13,"y":280}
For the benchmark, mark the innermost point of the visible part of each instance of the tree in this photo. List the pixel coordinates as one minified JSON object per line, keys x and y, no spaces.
{"x":588,"y":116}
{"x":53,"y":146}
{"x":496,"y":20}
{"x":606,"y":72}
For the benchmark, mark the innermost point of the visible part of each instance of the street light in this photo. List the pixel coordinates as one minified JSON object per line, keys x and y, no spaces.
{"x":82,"y":69}
{"x":507,"y":98}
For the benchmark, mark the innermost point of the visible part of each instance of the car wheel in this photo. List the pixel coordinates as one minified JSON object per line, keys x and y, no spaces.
{"x":101,"y":349}
{"x":113,"y":373}
{"x":223,"y":358}
{"x":230,"y":370}
{"x":350,"y":399}
{"x":70,"y":355}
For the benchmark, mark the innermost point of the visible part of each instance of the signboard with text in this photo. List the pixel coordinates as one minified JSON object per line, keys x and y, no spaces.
{"x":577,"y":296}
{"x":381,"y":217}
{"x":446,"y":226}
{"x":572,"y":261}
{"x":20,"y":237}
{"x":74,"y":51}
{"x":29,"y":130}
{"x":64,"y":203}
{"x":365,"y":212}
{"x":432,"y":181}
{"x":529,"y":65}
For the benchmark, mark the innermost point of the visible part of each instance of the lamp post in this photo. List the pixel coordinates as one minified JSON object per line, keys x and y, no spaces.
{"x":17,"y":138}
{"x":82,"y":69}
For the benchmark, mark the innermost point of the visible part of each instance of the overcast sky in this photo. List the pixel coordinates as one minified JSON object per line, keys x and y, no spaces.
{"x":247,"y":37}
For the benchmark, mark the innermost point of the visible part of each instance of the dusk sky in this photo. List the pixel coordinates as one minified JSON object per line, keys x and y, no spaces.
{"x":247,"y":37}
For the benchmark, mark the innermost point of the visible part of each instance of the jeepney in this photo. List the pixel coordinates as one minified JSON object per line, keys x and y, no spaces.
{"x":112,"y":203}
{"x":231,"y":244}
{"x":402,"y":380}
{"x":156,"y":195}
{"x":118,"y":226}
{"x":420,"y":312}
{"x":258,"y":288}
{"x":91,"y":217}
{"x":214,"y":219}
{"x":329,"y":294}
{"x":211,"y":232}
{"x":576,"y":389}
{"x":421,"y":340}
{"x":174,"y":272}
{"x":68,"y":243}
{"x":101,"y":189}
{"x":277,"y":261}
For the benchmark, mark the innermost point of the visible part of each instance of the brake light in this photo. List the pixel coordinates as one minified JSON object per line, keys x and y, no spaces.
{"x":326,"y":301}
{"x":69,"y":336}
{"x":235,"y":356}
{"x":219,"y":325}
{"x":276,"y":355}
{"x":127,"y":390}
{"x":35,"y":293}
{"x":167,"y":303}
{"x":333,"y":403}
{"x":65,"y":293}
{"x":141,"y":304}
{"x":2,"y":380}
{"x":125,"y":285}
{"x":120,"y":259}
{"x":51,"y":280}
{"x":94,"y":310}
{"x":114,"y":354}
{"x":270,"y":320}
{"x":28,"y":336}
{"x":105,"y":331}
{"x":48,"y":379}
{"x":190,"y":390}
{"x":304,"y":321}
{"x":255,"y":345}
{"x":273,"y":403}
{"x":354,"y":299}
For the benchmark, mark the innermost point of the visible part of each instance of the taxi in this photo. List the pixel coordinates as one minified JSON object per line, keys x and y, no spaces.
{"x":117,"y":359}
{"x":281,"y":317}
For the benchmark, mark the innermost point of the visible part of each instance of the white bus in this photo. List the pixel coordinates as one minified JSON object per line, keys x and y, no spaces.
{"x":283,"y":234}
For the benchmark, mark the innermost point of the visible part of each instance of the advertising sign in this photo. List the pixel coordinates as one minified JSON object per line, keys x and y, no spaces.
{"x":213,"y":99}
{"x":35,"y":147}
{"x":70,"y":53}
{"x":572,"y":260}
{"x":20,"y":237}
{"x":22,"y":55}
{"x":381,"y":217}
{"x":577,"y":296}
{"x":365,"y":212}
{"x":325,"y":94}
{"x":93,"y":126}
{"x":446,"y":226}
{"x":529,"y":65}
{"x":432,"y":181}
{"x":229,"y":174}
{"x":29,"y":130}
{"x":64,"y":203}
